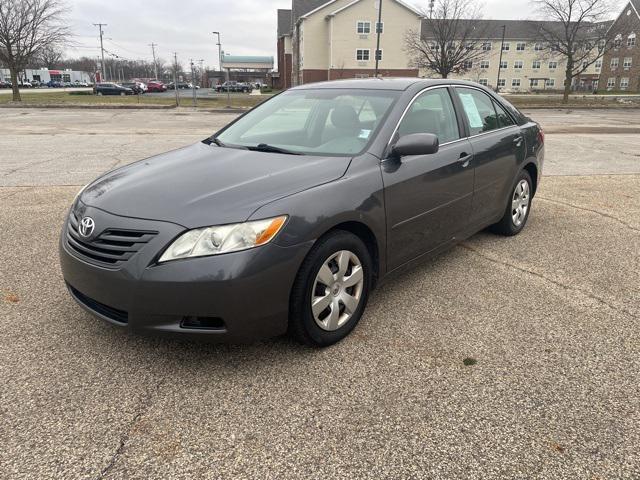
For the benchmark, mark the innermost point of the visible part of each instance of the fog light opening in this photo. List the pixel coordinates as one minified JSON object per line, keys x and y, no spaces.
{"x":202,"y":323}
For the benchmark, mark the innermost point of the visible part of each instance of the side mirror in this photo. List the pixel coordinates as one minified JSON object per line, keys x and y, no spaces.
{"x":416,"y":144}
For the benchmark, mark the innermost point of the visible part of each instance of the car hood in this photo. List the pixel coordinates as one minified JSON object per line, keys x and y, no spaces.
{"x":203,"y":185}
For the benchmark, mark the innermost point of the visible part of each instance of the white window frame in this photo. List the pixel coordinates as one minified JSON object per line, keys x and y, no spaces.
{"x":381,"y":54}
{"x":467,"y":64}
{"x":536,"y":64}
{"x":553,"y":64}
{"x":365,"y":23}
{"x":513,"y":82}
{"x":506,"y":47}
{"x":538,"y":47}
{"x":533,"y":82}
{"x":598,"y":63}
{"x":550,"y":82}
{"x":518,"y":64}
{"x":504,"y":64}
{"x":615,"y":62}
{"x":627,"y":62}
{"x":358,"y":50}
{"x":502,"y":82}
{"x":484,"y":64}
{"x":631,"y":40}
{"x":624,"y":83}
{"x":381,"y":27}
{"x":486,"y":46}
{"x":521,"y":46}
{"x":483,"y":81}
{"x":611,"y":82}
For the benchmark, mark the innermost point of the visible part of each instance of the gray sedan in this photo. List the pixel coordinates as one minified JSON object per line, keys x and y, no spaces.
{"x":287,"y":218}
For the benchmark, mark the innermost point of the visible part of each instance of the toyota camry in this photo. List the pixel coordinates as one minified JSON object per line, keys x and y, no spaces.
{"x":286,"y":219}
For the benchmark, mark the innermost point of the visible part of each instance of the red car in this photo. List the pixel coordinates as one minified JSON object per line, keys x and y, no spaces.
{"x":156,"y":87}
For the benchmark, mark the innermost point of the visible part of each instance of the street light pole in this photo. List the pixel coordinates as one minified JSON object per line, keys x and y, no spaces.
{"x":378,"y":31}
{"x":220,"y":63}
{"x":504,"y":27}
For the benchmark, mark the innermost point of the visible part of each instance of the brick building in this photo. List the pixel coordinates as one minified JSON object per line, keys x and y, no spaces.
{"x":621,"y":65}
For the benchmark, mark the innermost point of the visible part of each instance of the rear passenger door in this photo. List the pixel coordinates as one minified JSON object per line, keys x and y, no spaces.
{"x":498,"y":148}
{"x":428,"y":197}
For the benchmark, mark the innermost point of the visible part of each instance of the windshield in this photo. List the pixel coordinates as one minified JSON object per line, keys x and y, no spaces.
{"x":314,"y":122}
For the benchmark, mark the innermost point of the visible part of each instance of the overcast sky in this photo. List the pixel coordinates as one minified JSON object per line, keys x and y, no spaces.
{"x":248,"y":27}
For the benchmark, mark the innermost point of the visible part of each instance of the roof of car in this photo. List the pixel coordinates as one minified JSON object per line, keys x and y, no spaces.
{"x":400,"y":83}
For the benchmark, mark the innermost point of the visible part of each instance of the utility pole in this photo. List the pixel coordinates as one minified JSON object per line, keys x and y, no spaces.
{"x":378,"y":32}
{"x":504,"y":27}
{"x":102,"y":67}
{"x":175,"y":76}
{"x":155,"y":65}
{"x":193,"y":85}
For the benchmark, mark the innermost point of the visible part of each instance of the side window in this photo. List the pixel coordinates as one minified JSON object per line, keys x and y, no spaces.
{"x":432,"y":112}
{"x":504,"y":119}
{"x":479,"y":110}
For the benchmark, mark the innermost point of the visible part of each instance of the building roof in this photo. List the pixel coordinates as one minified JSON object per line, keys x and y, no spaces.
{"x":514,"y":29}
{"x":284,"y":22}
{"x":636,"y":5}
{"x":247,"y":59}
{"x":301,"y":7}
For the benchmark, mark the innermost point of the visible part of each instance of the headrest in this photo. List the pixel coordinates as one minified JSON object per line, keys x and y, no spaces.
{"x":345,"y":117}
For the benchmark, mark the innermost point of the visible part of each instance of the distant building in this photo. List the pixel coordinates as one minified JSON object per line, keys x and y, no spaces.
{"x":330,"y":39}
{"x":45,"y":75}
{"x":250,"y":68}
{"x":621,"y":66}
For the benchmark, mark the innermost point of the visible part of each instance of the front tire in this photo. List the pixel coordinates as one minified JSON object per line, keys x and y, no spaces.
{"x":331,"y":290}
{"x":518,"y":207}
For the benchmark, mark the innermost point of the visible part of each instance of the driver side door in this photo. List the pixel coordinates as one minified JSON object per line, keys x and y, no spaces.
{"x":428,"y":197}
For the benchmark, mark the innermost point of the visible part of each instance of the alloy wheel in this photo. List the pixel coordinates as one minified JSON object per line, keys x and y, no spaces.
{"x":337,"y":290}
{"x":520,"y":202}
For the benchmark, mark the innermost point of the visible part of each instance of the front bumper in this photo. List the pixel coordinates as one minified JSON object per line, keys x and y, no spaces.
{"x":246,"y":292}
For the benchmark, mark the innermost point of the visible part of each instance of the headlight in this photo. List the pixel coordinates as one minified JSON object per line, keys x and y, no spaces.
{"x":223,"y":239}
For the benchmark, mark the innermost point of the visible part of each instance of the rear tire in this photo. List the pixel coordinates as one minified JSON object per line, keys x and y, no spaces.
{"x":518,"y":207}
{"x":336,"y":278}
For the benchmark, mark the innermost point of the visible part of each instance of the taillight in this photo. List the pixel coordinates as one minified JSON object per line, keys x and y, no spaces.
{"x":540,"y":135}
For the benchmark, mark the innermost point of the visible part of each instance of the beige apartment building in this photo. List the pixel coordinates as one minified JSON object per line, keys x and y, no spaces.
{"x":331,"y":39}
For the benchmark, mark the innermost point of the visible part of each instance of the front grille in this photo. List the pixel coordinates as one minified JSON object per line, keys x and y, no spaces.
{"x":114,"y":314}
{"x":109,"y":249}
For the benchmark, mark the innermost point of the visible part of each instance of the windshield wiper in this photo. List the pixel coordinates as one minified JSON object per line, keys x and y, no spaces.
{"x":217,"y":142}
{"x":263,"y":147}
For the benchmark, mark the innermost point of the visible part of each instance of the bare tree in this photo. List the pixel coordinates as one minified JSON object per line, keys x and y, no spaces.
{"x":26,"y":28}
{"x":451,"y":40}
{"x":50,"y":57}
{"x":576,"y":30}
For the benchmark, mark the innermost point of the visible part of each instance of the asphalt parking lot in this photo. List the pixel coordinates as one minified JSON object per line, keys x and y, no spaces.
{"x":551,"y":318}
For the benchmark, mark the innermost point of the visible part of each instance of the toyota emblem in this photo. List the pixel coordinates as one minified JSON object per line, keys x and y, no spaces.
{"x":86,"y":226}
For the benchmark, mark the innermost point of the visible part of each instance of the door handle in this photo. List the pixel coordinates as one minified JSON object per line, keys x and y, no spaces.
{"x":465,"y":159}
{"x":518,"y":140}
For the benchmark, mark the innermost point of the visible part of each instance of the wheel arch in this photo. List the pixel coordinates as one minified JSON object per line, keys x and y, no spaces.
{"x":364,"y":233}
{"x":532,"y":169}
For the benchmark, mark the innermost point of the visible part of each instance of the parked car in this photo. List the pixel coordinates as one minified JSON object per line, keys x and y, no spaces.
{"x":78,"y":83}
{"x":156,"y":87}
{"x":54,"y":84}
{"x":111,"y":89}
{"x":5,"y":84}
{"x":36,"y":83}
{"x":25,"y":84}
{"x":233,"y":86}
{"x":135,"y":86}
{"x":268,"y":227}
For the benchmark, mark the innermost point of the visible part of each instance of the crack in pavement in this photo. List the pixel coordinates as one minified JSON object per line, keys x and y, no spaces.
{"x":590,"y":295}
{"x":606,"y":215}
{"x":144,"y":406}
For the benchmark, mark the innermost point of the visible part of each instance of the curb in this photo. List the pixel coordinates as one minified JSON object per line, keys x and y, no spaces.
{"x":87,"y":106}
